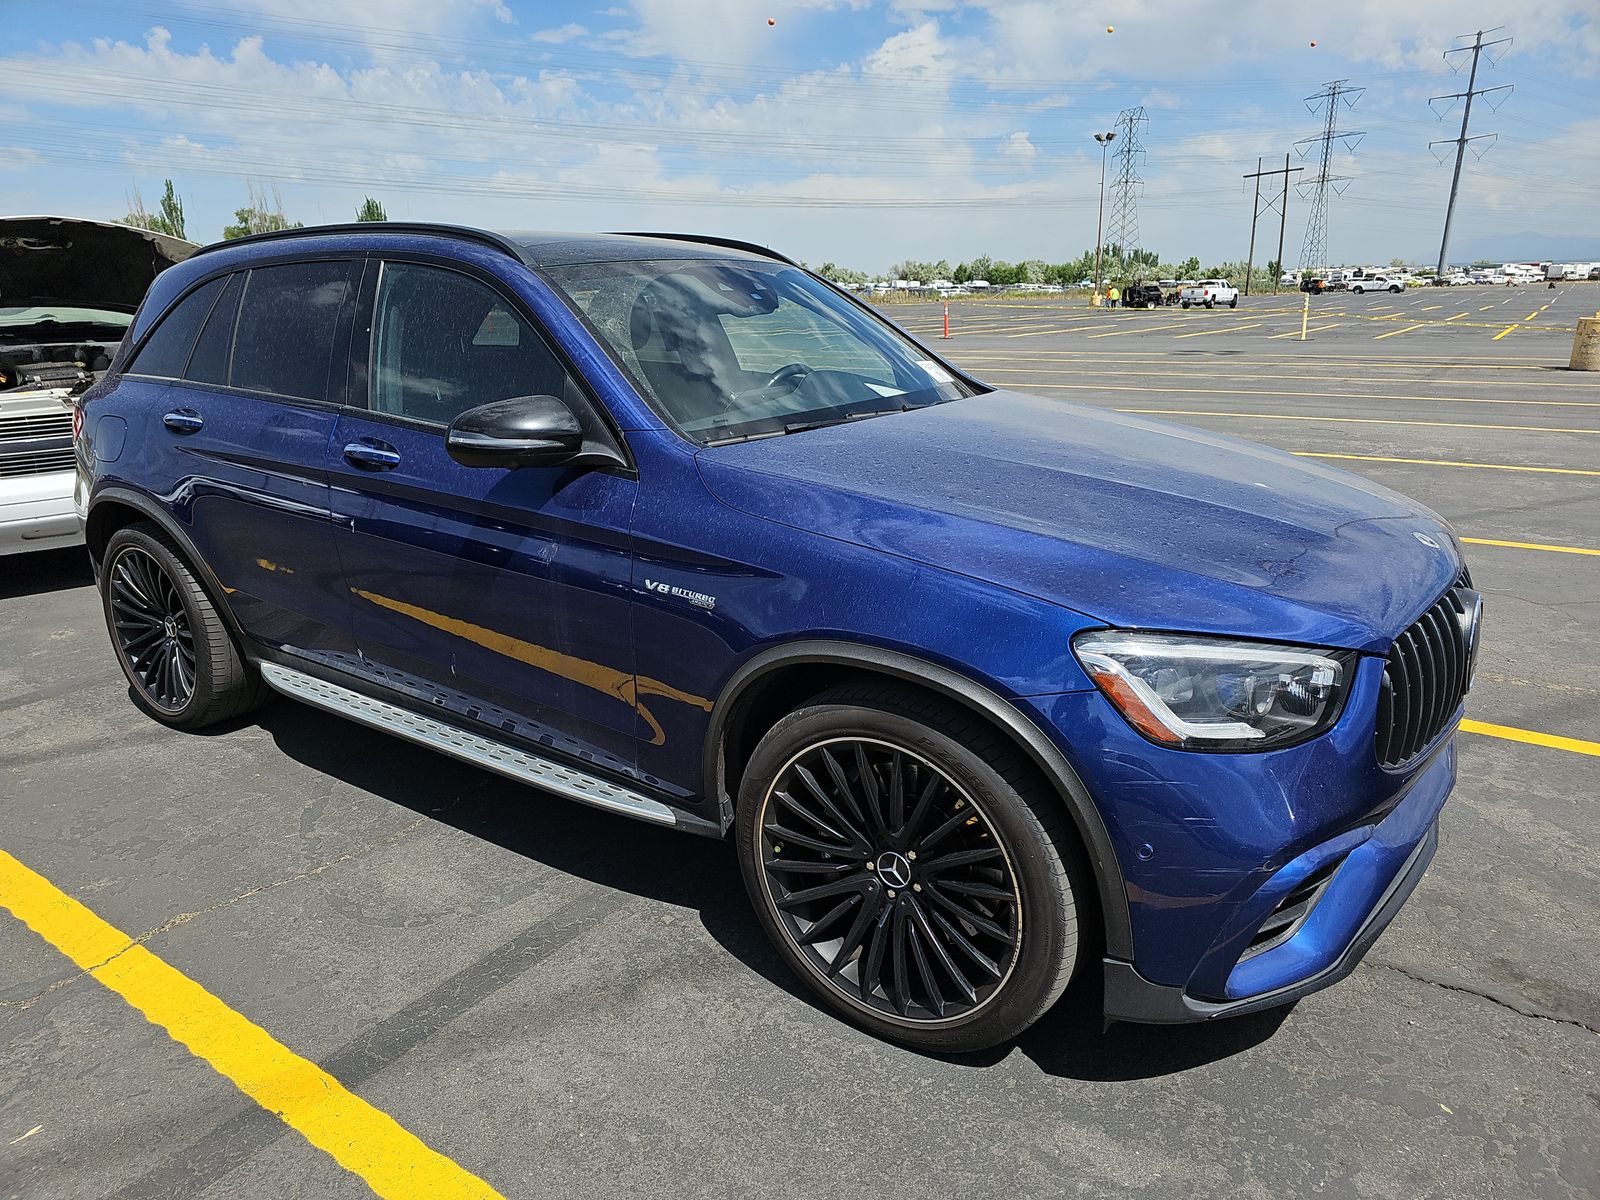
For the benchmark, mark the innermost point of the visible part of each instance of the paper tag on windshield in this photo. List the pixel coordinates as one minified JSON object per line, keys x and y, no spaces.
{"x":935,"y":372}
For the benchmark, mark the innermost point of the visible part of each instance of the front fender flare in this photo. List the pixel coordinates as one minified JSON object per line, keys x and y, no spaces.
{"x":1041,"y":751}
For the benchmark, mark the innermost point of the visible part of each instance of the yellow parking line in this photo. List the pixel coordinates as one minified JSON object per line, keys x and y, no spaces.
{"x":1457,"y":317}
{"x":1429,"y":307}
{"x":1223,"y":329}
{"x":360,"y":1138}
{"x":994,"y":374}
{"x":1502,"y":333}
{"x":1256,"y":416}
{"x":1059,"y":329}
{"x":1138,"y":327}
{"x":1532,"y":546}
{"x":1512,"y":734}
{"x":1440,"y":462}
{"x":1398,"y":332}
{"x":1309,"y":329}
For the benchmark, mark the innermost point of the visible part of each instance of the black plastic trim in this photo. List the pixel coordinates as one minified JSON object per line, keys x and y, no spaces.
{"x":1085,"y":816}
{"x":1129,"y":996}
{"x":705,"y":239}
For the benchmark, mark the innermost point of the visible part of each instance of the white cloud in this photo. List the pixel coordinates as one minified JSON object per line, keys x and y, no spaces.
{"x":560,"y":34}
{"x":1019,"y":149}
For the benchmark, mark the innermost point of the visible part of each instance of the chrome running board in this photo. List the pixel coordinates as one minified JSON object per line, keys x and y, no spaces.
{"x":469,"y":747}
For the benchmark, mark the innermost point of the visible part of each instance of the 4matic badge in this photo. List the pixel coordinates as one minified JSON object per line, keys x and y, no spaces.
{"x":699,"y":599}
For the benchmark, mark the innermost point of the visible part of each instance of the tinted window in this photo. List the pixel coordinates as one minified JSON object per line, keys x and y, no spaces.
{"x":443,"y":343}
{"x":209,"y":362}
{"x":167,"y":349}
{"x":287,"y":319}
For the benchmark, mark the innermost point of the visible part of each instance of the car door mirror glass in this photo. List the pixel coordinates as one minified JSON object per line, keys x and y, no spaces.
{"x":525,"y":431}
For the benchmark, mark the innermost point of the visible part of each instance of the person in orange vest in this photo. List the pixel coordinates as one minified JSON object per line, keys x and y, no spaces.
{"x":1113,"y":295}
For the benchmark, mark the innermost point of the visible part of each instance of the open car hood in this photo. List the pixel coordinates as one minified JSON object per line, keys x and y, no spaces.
{"x":85,"y":264}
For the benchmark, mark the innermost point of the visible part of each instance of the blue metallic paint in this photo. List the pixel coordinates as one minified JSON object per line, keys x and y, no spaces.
{"x":977,"y":536}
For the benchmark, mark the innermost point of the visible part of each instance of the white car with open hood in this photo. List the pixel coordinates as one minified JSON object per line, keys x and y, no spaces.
{"x":68,"y":289}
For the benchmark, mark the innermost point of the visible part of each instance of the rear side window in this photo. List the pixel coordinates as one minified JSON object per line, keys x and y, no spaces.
{"x":209,"y":362}
{"x":166,"y":351}
{"x":287,"y":319}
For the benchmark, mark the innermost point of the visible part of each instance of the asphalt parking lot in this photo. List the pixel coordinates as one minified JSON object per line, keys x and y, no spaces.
{"x":559,"y":1002}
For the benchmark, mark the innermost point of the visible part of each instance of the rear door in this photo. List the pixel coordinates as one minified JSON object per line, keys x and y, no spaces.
{"x":241,"y":436}
{"x":501,"y":595}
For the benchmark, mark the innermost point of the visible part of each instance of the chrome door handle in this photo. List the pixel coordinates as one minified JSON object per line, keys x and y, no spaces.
{"x":183,"y":420}
{"x":372,"y":457}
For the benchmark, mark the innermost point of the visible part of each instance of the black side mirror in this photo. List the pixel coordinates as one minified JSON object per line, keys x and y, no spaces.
{"x":526,"y":431}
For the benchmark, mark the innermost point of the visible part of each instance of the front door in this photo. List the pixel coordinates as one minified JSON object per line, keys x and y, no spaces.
{"x":499,"y":595}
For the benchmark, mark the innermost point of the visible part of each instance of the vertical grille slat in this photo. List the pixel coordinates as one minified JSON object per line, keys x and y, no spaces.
{"x":1424,"y":680}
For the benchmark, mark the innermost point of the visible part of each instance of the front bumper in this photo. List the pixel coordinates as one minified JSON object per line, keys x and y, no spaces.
{"x":37,"y":513}
{"x":1380,"y":868}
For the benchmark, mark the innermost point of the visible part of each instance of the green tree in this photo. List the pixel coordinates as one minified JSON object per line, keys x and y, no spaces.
{"x":168,"y":219}
{"x":981,"y":267}
{"x":838,"y":274}
{"x":1189,"y":268}
{"x":371,"y":210}
{"x":264,"y":214}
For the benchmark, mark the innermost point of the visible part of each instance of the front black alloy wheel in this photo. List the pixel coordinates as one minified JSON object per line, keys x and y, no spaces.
{"x":890,"y":880}
{"x":182,"y":664}
{"x":908,"y":866}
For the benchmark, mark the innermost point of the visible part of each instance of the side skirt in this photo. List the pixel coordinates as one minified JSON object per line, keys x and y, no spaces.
{"x":474,"y":748}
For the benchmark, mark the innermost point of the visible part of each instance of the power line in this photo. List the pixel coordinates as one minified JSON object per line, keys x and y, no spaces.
{"x":1314,"y":251}
{"x":1478,"y":47}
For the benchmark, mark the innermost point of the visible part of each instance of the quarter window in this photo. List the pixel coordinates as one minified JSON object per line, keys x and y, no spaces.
{"x":209,"y":362}
{"x":167,"y":349}
{"x":443,"y":343}
{"x":287,"y":319}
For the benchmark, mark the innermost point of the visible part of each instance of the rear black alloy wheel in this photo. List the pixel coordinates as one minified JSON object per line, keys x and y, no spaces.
{"x":182,"y":664}
{"x":151,"y":628}
{"x":890,"y":880}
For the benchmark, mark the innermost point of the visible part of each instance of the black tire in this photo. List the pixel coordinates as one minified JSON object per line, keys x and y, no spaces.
{"x":182,"y":664}
{"x":1210,"y":304}
{"x":1149,"y":303}
{"x":1186,"y":304}
{"x":879,"y":733}
{"x":1234,"y":303}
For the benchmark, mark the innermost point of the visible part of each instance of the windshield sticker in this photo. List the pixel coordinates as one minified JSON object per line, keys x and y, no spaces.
{"x":935,"y":372}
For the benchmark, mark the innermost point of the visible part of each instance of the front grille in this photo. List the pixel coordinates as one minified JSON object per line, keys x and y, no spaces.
{"x":1285,"y":920}
{"x":37,"y":462}
{"x":16,"y":429}
{"x":1429,"y":668}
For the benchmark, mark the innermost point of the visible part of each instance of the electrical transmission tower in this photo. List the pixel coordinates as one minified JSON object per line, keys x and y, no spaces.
{"x":1123,"y":232}
{"x":1314,"y":251}
{"x":1478,"y":47}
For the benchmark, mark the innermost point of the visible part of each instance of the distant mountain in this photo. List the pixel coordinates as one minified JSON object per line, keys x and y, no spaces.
{"x":1524,"y":247}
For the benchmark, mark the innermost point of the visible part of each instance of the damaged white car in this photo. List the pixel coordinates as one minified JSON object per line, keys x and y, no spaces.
{"x":68,"y":289}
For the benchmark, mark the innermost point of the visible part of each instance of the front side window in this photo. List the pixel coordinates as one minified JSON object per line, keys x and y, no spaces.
{"x":728,"y":349}
{"x":443,"y":343}
{"x":288,"y":316}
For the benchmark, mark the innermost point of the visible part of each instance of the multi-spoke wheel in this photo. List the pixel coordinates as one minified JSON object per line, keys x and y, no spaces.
{"x":903,"y":862}
{"x":151,"y":627}
{"x":183,"y":666}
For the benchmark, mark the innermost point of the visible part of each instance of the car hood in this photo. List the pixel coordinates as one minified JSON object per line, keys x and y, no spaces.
{"x":87,"y":264}
{"x":1133,"y":522}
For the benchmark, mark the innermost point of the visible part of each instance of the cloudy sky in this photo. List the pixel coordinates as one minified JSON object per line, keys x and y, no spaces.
{"x":861,"y":131}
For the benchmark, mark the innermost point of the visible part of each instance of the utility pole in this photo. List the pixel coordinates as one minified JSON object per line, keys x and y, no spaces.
{"x":1124,"y":230}
{"x":1478,"y":47}
{"x":1283,"y":220}
{"x":1282,"y":205}
{"x":1314,"y":251}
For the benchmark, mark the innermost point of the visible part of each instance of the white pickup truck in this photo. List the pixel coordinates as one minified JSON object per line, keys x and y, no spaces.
{"x":1210,"y":292}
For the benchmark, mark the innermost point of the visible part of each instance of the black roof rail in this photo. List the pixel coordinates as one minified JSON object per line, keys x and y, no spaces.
{"x":708,"y":240}
{"x":464,"y":232}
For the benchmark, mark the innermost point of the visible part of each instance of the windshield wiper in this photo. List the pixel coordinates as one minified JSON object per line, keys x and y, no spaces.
{"x":862,"y":415}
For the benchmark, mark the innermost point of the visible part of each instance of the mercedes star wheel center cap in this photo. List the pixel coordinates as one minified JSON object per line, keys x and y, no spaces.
{"x":894,"y":869}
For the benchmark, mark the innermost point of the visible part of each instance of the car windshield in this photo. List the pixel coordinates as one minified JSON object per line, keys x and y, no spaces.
{"x":735,"y":349}
{"x":46,"y":322}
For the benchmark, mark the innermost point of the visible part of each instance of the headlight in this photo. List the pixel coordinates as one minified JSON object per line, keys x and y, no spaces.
{"x":1195,"y":693}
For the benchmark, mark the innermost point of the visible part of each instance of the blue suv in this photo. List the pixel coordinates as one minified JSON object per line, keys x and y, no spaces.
{"x":983,"y":686}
